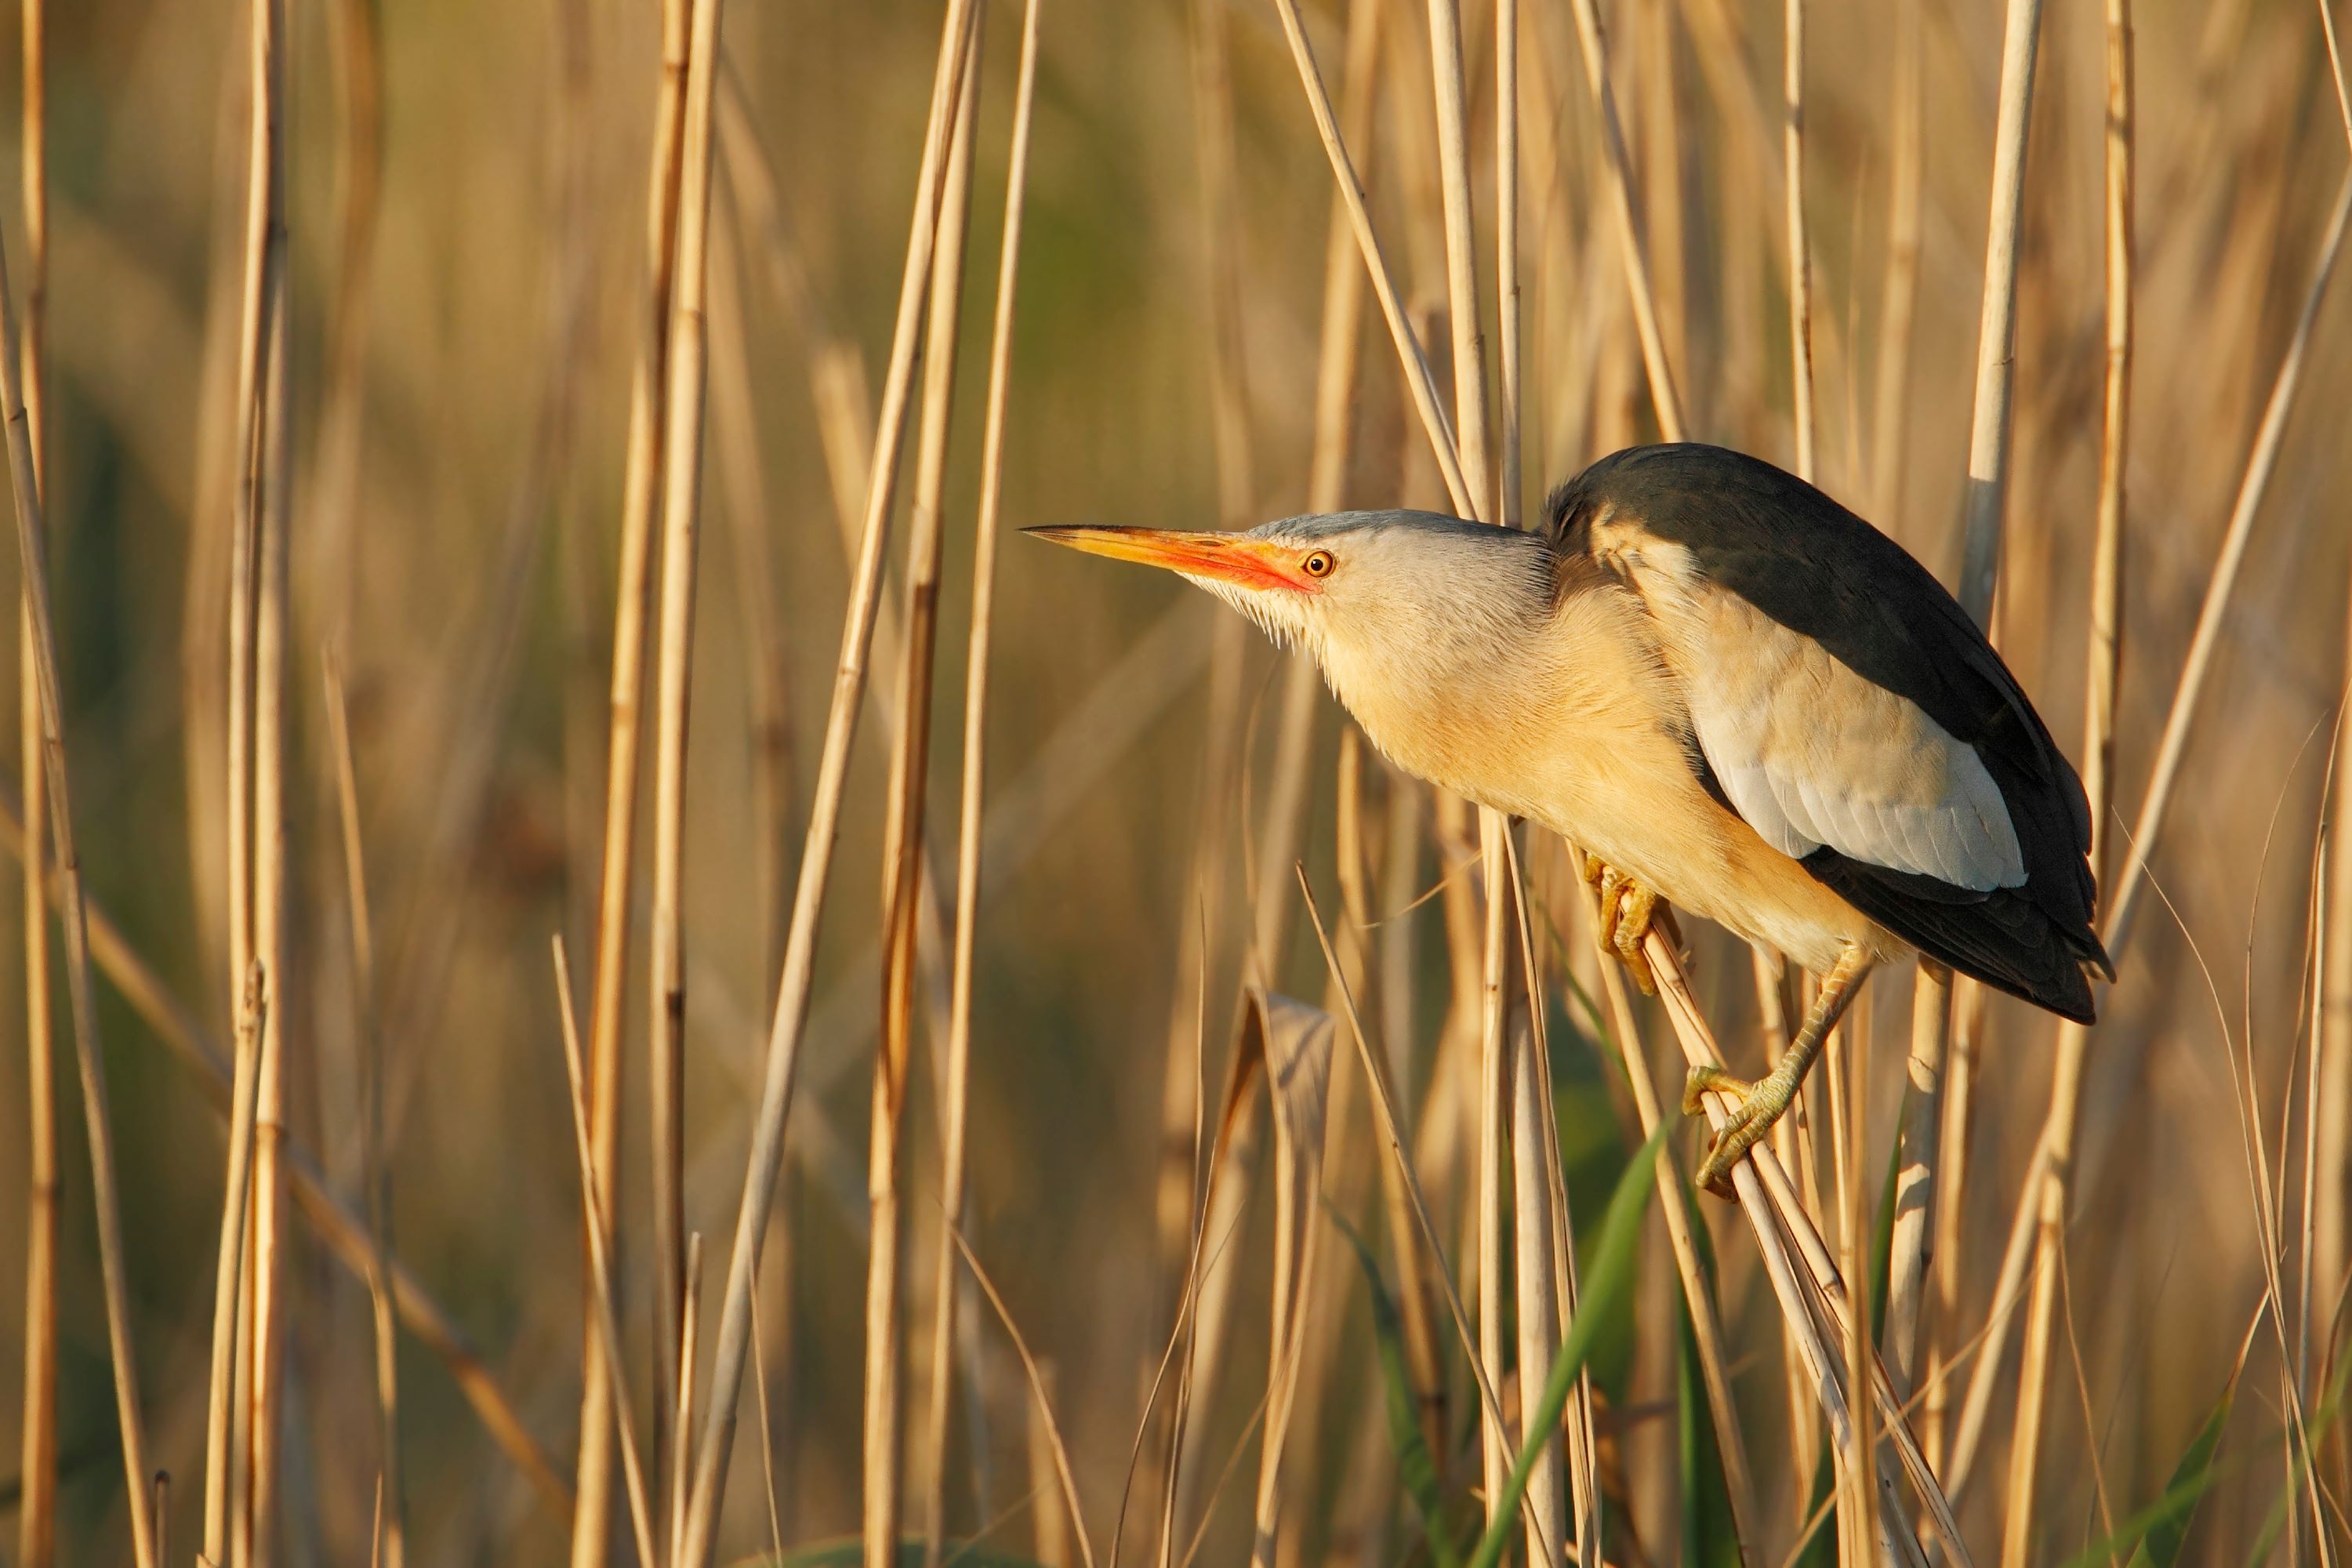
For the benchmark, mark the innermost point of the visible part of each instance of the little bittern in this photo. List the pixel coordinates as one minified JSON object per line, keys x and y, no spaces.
{"x":1730,"y":691}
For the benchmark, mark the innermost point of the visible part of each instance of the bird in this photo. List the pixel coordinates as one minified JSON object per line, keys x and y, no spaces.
{"x":1733,"y":695}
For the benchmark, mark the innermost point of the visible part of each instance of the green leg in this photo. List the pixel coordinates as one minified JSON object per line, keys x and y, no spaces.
{"x":1763,"y":1102}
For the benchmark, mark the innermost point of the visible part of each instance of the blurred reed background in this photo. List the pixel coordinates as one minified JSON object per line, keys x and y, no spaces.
{"x":376,"y":357}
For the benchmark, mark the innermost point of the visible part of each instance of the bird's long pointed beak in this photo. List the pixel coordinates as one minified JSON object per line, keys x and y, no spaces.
{"x":1229,"y":557}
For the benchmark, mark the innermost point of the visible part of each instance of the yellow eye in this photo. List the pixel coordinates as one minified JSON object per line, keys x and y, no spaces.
{"x":1318,"y":565}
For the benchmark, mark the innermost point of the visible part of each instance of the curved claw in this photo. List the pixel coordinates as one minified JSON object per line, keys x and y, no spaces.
{"x":1627,"y":911}
{"x":1760,"y":1104}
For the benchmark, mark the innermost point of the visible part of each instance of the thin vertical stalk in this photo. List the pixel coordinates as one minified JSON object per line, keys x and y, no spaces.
{"x":1418,"y":380}
{"x":2260,"y":464}
{"x":1664,"y":398}
{"x":37,"y":1524}
{"x":1891,"y":409}
{"x":89,"y":1050}
{"x":1800,"y":272}
{"x":272,"y":931}
{"x":2171,"y":751}
{"x":1471,"y":425}
{"x":1997,"y":328}
{"x":2098,"y":757}
{"x":375,"y":1176}
{"x":1706,"y":1324}
{"x":685,"y":371}
{"x":972,"y":800}
{"x":229,"y":1274}
{"x":902,"y":858}
{"x":824,"y":819}
{"x":1915,"y":1179}
{"x":640,"y":496}
{"x":682,"y":1440}
{"x":603,"y":1330}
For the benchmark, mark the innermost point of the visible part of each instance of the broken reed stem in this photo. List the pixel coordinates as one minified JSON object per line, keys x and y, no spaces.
{"x":1664,"y":397}
{"x":904,"y":838}
{"x":681,"y":530}
{"x":641,"y":490}
{"x":603,"y":1331}
{"x":1418,"y":380}
{"x":37,"y":1468}
{"x":972,"y":800}
{"x":1706,"y":1323}
{"x":1997,"y":327}
{"x":375,"y":1178}
{"x":2098,"y":755}
{"x":89,"y":1050}
{"x":816,"y":859}
{"x":345,"y":1235}
{"x":1800,"y":272}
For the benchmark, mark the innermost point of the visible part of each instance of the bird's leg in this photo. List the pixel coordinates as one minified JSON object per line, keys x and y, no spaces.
{"x":1628,"y":911}
{"x":1762,"y":1102}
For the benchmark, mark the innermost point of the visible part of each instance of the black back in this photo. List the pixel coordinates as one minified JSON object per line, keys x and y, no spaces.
{"x":1809,"y":565}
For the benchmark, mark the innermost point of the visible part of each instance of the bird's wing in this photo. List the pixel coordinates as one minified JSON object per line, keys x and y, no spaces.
{"x":1848,"y":708}
{"x":1812,"y":753}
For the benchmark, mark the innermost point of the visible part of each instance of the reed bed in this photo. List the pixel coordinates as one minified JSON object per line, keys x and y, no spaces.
{"x":1117,"y":1117}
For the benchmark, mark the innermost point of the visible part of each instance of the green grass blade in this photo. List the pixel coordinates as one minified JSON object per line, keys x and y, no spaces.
{"x":1415,"y":1467}
{"x":1608,"y":1285}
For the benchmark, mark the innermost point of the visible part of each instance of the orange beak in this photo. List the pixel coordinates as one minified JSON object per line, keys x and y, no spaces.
{"x":1228,"y":557}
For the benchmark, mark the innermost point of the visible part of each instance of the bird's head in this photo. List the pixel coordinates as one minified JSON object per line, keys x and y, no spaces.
{"x":1391,"y":589}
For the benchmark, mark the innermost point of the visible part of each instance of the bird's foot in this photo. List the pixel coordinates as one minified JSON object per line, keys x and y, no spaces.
{"x":1759,"y":1104}
{"x":1628,"y":910}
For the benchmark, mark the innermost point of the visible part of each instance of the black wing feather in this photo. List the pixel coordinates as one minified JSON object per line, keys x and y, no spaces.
{"x":1809,"y":563}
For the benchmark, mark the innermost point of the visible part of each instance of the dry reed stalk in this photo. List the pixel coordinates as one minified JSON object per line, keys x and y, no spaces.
{"x":1706,"y":1324}
{"x":1854,"y":1223}
{"x":1384,"y":1105}
{"x":1915,"y":1171}
{"x":682,"y":1443}
{"x":971,"y":801}
{"x":904,"y":838}
{"x":375,"y":1177}
{"x":1664,"y":397}
{"x":603,"y":1327}
{"x":766,"y":651}
{"x":767,"y":1432}
{"x":2098,"y":756}
{"x":2170,"y":752}
{"x":1891,"y":405}
{"x":89,"y":1051}
{"x":1772,"y":1208}
{"x":1038,"y":1393}
{"x":1997,"y":328}
{"x":1800,"y":272}
{"x":641,"y":490}
{"x":2260,"y":464}
{"x":816,"y":859}
{"x":1296,"y":1042}
{"x":271,"y":915}
{"x":1418,"y":381}
{"x":1472,"y":429}
{"x":344,"y":1233}
{"x":684,"y":368}
{"x":355,"y":35}
{"x":229,"y":1275}
{"x":37,"y":1468}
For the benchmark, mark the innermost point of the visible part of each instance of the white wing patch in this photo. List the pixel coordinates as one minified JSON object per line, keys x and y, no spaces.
{"x":1812,"y":753}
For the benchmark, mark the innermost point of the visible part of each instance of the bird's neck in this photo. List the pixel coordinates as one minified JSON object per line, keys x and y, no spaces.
{"x":1465,"y":695}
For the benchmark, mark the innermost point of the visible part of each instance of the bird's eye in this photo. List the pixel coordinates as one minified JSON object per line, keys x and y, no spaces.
{"x":1317,"y":565}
